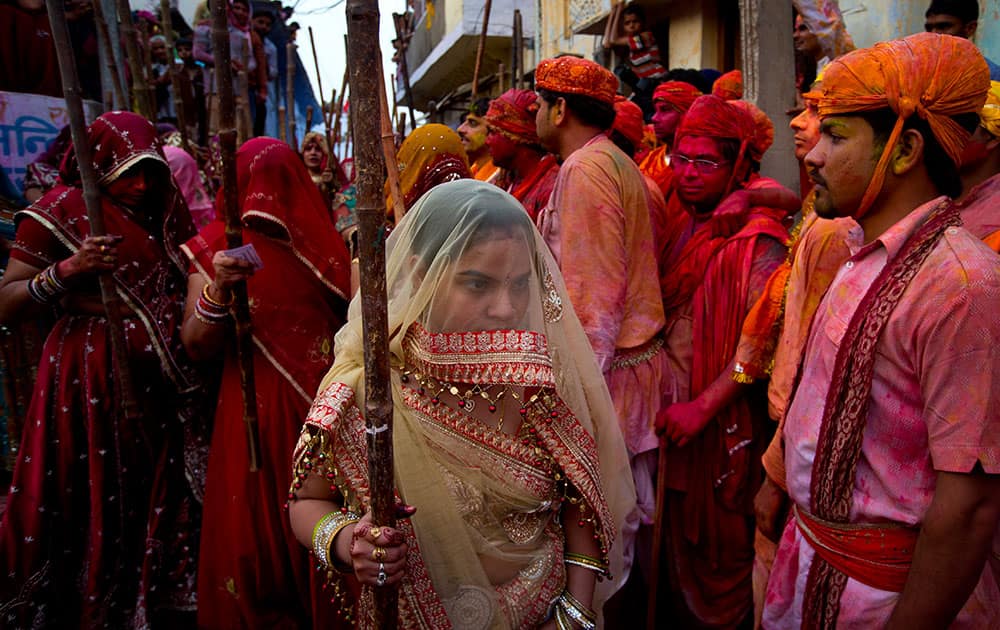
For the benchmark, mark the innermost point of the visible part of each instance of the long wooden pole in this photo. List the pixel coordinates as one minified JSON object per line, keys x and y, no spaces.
{"x":517,"y":52}
{"x":389,"y":151}
{"x":175,"y":80}
{"x":73,"y":96}
{"x":104,"y":41}
{"x":234,"y":231}
{"x":481,"y":49}
{"x":340,"y":107}
{"x":403,"y":37}
{"x":319,"y":85}
{"x":362,"y":31}
{"x":293,"y":140}
{"x":140,"y":81}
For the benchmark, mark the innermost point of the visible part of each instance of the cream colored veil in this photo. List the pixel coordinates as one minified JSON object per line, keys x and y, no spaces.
{"x":421,"y":255}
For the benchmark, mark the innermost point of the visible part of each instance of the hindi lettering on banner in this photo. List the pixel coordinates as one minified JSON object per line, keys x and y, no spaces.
{"x":29,"y":123}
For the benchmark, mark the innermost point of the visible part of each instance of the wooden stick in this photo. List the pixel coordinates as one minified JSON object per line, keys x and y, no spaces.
{"x":141,"y":92}
{"x":404,"y":31}
{"x":175,"y":81}
{"x":658,"y":527}
{"x":517,"y":52}
{"x":104,"y":41}
{"x":293,"y":139}
{"x":328,"y":121}
{"x":340,"y":104}
{"x":73,"y":96}
{"x":389,"y":150}
{"x":319,"y":83}
{"x":362,"y":30}
{"x":481,"y":49}
{"x":309,"y":119}
{"x":234,"y":231}
{"x":281,"y":124}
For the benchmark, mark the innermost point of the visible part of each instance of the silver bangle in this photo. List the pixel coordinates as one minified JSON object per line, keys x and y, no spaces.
{"x":577,"y":612}
{"x":326,"y":531}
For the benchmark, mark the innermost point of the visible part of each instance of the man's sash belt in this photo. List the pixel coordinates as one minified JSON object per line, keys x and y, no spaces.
{"x":876,"y":555}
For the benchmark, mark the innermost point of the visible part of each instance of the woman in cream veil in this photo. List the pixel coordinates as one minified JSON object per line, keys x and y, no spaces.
{"x":505,"y":439}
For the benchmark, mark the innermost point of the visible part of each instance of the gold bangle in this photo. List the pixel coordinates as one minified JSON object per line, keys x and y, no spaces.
{"x":587,"y":562}
{"x":213,"y":302}
{"x":325,"y":532}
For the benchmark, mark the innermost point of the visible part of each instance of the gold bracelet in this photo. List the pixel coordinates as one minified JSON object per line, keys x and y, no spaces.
{"x":576,"y":611}
{"x":587,"y":562}
{"x":216,"y":303}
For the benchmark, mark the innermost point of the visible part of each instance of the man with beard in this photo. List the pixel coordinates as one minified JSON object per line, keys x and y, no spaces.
{"x":891,"y":434}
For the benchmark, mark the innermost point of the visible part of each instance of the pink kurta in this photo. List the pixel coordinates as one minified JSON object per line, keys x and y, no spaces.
{"x":934,"y":406}
{"x":598,"y":227}
{"x":980,"y":209}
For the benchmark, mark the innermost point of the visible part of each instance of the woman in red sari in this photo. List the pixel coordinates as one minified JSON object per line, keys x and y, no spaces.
{"x":98,"y":527}
{"x":252,"y":571}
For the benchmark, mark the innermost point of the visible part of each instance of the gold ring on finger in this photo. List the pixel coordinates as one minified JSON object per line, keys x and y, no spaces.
{"x":378,"y":554}
{"x":375,"y":531}
{"x":103,"y":248}
{"x":109,"y":259}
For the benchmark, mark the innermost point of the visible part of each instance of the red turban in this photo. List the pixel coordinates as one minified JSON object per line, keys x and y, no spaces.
{"x":763,"y":134}
{"x":729,"y":86}
{"x":572,"y":75}
{"x":713,"y":117}
{"x":932,"y":76}
{"x":628,"y":121}
{"x":513,"y":115}
{"x":677,"y":94}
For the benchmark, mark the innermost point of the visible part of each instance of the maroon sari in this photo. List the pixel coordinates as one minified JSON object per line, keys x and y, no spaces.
{"x":253,"y":573}
{"x":99,"y":527}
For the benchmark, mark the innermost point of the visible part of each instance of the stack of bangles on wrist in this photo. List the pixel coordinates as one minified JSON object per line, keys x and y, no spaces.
{"x":325,"y":532}
{"x":209,"y":311}
{"x":587,"y":562}
{"x":46,"y":287}
{"x":571,"y":613}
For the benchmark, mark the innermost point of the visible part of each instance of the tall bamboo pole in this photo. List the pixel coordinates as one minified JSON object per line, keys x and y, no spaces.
{"x":234,"y":231}
{"x":104,"y":41}
{"x":175,"y":83}
{"x":141,"y":90}
{"x":403,"y":33}
{"x":319,"y":85}
{"x":517,"y":52}
{"x":293,"y":139}
{"x":73,"y":96}
{"x":340,"y":104}
{"x":389,"y":150}
{"x":362,"y":30}
{"x":481,"y":49}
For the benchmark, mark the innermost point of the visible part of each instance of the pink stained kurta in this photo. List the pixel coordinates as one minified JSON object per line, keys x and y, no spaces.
{"x":980,"y":209}
{"x":597,"y":225}
{"x":934,"y":406}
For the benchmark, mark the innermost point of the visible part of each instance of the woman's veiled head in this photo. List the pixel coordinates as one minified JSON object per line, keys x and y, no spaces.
{"x":474,"y":245}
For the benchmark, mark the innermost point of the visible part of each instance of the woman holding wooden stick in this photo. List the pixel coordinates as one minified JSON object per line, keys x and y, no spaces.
{"x":100,"y":525}
{"x":505,"y":440}
{"x":252,"y":573}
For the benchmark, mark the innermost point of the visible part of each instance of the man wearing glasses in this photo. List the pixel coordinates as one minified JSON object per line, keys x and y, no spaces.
{"x":715,"y":431}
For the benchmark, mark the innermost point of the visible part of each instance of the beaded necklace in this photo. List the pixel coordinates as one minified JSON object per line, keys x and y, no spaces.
{"x":467,"y":397}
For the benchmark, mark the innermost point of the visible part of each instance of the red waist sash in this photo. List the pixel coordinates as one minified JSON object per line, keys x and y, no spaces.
{"x":876,"y":555}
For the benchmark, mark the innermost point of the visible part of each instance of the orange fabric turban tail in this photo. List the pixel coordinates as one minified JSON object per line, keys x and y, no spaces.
{"x":930,"y":75}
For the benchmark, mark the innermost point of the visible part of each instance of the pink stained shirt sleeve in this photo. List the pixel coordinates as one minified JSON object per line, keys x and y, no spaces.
{"x":959,"y":364}
{"x":593,"y":257}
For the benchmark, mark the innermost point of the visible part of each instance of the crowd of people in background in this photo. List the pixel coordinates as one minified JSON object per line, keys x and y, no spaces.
{"x":633,"y":378}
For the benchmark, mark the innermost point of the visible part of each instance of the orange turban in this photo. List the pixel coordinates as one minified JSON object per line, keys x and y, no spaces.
{"x":628,"y":121}
{"x":572,"y":75}
{"x":989,"y":117}
{"x":932,"y":76}
{"x":677,"y":94}
{"x":513,"y":115}
{"x":763,"y":134}
{"x":729,"y":86}
{"x":713,"y":117}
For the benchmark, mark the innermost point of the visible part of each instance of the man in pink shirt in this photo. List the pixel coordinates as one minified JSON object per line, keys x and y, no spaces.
{"x":892,"y":437}
{"x":598,"y":227}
